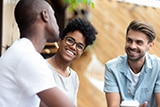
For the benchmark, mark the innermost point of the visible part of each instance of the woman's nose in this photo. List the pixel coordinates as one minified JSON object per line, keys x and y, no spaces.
{"x":74,"y":46}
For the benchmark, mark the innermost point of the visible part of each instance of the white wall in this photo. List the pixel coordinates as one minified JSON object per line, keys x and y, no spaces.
{"x":9,"y":30}
{"x":151,"y":3}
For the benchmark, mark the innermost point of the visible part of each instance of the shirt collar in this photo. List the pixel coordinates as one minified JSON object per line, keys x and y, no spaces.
{"x":147,"y":64}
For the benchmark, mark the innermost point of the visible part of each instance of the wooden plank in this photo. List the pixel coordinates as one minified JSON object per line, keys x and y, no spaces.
{"x":110,"y":19}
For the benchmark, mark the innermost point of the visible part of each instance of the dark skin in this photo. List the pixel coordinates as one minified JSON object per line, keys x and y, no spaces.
{"x":43,"y":29}
{"x":66,"y":54}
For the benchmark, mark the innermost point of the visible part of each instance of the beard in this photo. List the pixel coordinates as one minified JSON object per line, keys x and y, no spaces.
{"x":134,"y":58}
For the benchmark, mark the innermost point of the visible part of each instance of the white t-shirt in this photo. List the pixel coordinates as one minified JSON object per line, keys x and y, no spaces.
{"x":69,"y":85}
{"x":23,"y":74}
{"x":134,"y":79}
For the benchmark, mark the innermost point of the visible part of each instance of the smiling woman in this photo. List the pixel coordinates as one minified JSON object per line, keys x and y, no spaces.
{"x":76,"y":36}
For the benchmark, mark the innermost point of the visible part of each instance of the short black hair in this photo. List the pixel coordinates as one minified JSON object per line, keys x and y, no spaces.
{"x":27,"y":11}
{"x":24,"y":13}
{"x":82,"y":25}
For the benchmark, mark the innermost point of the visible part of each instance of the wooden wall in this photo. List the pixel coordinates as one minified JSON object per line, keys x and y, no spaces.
{"x":1,"y":9}
{"x":111,"y":19}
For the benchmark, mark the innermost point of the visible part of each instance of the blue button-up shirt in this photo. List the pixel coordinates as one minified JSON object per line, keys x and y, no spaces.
{"x":118,"y":79}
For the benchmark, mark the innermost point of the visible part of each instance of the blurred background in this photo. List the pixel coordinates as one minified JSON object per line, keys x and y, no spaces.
{"x":110,"y":18}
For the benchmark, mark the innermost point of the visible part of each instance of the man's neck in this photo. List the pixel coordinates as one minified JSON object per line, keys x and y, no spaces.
{"x":136,"y":66}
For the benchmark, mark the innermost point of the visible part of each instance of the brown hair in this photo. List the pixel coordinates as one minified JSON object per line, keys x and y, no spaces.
{"x":143,"y":27}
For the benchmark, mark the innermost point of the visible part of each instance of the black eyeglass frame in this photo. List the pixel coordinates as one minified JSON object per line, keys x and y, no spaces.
{"x":71,"y":41}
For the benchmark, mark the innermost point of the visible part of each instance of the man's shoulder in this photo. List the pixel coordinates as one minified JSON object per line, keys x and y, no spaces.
{"x":153,"y":57}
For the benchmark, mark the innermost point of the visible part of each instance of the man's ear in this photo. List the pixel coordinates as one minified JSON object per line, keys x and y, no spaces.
{"x":151,"y":45}
{"x":44,"y":16}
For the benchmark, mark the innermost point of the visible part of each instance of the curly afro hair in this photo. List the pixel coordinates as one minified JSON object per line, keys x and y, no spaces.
{"x":82,"y":25}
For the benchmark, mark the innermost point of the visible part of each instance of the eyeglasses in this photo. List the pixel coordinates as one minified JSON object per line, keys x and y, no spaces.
{"x":71,"y":41}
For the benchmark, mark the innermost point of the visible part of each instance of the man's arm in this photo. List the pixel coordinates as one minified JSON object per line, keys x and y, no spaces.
{"x":112,"y":99}
{"x":53,"y":97}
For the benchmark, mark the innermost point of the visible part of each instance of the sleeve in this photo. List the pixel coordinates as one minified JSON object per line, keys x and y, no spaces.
{"x":157,"y":86}
{"x":34,"y":75}
{"x":110,"y":83}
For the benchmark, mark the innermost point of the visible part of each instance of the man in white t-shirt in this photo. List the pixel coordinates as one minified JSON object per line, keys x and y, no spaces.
{"x":25,"y":78}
